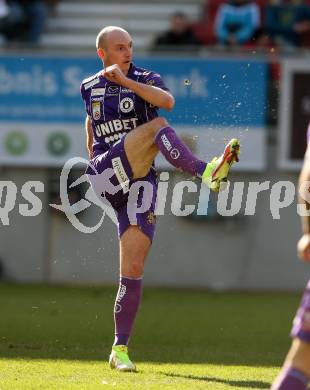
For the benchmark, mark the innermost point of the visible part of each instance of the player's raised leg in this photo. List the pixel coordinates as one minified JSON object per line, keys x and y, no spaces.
{"x":134,"y":247}
{"x":143,"y":144}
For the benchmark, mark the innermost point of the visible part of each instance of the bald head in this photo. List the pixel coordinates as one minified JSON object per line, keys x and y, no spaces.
{"x":111,"y":33}
{"x":114,"y":46}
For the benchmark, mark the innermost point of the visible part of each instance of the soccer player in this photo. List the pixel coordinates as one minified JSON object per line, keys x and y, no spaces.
{"x":295,"y":373}
{"x":124,"y":134}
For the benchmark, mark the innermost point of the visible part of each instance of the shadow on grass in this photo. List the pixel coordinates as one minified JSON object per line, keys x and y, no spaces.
{"x":156,"y":354}
{"x":75,"y":323}
{"x":246,"y":384}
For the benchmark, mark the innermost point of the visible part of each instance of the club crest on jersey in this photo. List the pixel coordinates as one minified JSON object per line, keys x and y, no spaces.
{"x":126,"y":105}
{"x":96,"y":110}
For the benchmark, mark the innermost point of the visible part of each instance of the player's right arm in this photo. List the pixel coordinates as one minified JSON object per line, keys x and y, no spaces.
{"x":303,"y":246}
{"x":150,"y":93}
{"x":89,"y":136}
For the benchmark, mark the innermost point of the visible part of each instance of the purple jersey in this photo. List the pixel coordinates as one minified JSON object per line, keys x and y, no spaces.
{"x":115,"y":110}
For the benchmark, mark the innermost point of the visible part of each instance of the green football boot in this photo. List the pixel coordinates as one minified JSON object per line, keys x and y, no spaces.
{"x":119,"y":359}
{"x":216,"y":172}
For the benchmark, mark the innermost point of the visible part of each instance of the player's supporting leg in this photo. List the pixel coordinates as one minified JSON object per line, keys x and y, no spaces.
{"x":295,"y":374}
{"x":134,"y":247}
{"x":143,"y":144}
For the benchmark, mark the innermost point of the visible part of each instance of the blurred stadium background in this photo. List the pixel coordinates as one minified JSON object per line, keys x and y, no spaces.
{"x":258,"y":93}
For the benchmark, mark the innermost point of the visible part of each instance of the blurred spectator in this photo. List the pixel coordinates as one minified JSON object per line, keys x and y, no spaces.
{"x":237,"y":22}
{"x":10,"y":19}
{"x":26,"y":20}
{"x":179,"y":35}
{"x":288,"y":22}
{"x":4,"y":9}
{"x":36,"y":12}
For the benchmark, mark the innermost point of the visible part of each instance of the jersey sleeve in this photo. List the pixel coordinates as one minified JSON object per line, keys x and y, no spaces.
{"x":152,"y":78}
{"x":85,"y":99}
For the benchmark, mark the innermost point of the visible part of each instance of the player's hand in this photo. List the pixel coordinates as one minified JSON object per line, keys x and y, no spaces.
{"x":115,"y":74}
{"x":303,"y":247}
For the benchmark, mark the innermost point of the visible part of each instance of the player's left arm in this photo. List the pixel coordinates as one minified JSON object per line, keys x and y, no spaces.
{"x":303,"y":246}
{"x":150,"y":93}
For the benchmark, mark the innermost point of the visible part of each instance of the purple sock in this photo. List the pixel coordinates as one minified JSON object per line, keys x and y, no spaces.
{"x":125,"y":309}
{"x":177,"y":153}
{"x":291,"y":379}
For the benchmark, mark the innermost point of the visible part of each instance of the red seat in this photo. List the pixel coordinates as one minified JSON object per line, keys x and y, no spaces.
{"x":204,"y":29}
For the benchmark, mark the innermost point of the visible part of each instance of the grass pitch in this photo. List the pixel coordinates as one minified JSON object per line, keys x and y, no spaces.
{"x":60,"y":338}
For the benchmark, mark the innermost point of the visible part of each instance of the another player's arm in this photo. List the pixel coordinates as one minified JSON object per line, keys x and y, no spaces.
{"x":303,"y":245}
{"x":89,"y":136}
{"x":154,"y":95}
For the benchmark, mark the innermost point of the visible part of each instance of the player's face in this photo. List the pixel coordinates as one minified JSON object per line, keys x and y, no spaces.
{"x":119,"y":51}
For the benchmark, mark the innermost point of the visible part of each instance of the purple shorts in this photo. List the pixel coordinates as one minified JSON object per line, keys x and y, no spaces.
{"x":301,"y":325}
{"x":134,"y":201}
